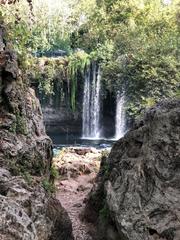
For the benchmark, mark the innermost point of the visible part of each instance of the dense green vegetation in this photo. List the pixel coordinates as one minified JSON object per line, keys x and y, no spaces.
{"x":142,"y":40}
{"x":136,"y":42}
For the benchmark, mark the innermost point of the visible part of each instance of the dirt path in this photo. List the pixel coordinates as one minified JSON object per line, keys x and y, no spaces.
{"x":72,"y":194}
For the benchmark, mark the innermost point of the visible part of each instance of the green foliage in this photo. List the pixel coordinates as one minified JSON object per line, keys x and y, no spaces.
{"x":54,"y":172}
{"x":14,"y":168}
{"x":135,"y":41}
{"x":46,"y":26}
{"x":13,"y":127}
{"x":48,"y":71}
{"x":178,"y":93}
{"x":146,"y":79}
{"x":77,"y":63}
{"x":48,"y":186}
{"x":105,"y":167}
{"x":19,"y":125}
{"x":105,"y":153}
{"x":104,"y":213}
{"x":145,"y":56}
{"x":27,"y":177}
{"x":103,"y":52}
{"x":19,"y":169}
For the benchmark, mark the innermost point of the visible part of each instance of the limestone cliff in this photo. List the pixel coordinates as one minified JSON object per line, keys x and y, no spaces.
{"x":27,"y":212}
{"x":24,"y":145}
{"x":140,"y":181}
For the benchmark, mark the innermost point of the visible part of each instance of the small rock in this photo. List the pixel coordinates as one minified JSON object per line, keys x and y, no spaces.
{"x":78,"y":205}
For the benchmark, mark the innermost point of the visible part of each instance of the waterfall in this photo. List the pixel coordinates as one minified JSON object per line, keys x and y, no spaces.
{"x":120,"y":116}
{"x":86,"y":105}
{"x":91,"y":102}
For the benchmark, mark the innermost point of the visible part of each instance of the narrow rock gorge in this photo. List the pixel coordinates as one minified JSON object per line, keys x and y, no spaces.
{"x":89,"y":120}
{"x":78,"y":168}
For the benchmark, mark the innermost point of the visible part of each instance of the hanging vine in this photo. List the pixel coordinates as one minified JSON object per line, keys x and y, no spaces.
{"x":77,"y":63}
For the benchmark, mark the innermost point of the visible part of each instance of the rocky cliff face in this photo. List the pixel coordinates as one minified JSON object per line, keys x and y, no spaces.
{"x":24,"y":144}
{"x":56,"y":105}
{"x":61,"y":120}
{"x":26,"y":210}
{"x":140,"y":179}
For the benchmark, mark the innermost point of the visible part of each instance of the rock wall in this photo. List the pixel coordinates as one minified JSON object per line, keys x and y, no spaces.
{"x":61,"y":120}
{"x":24,"y":144}
{"x":27,"y":211}
{"x":140,"y":179}
{"x":56,"y":106}
{"x":59,"y":117}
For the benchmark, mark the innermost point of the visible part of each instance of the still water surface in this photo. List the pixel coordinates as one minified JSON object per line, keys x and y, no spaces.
{"x":64,"y":140}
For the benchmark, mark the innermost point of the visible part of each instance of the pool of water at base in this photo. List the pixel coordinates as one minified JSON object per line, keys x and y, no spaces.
{"x":63,"y":140}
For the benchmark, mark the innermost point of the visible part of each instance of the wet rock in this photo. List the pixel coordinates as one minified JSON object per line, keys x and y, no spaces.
{"x":60,"y":118}
{"x":83,"y":150}
{"x":141,"y":182}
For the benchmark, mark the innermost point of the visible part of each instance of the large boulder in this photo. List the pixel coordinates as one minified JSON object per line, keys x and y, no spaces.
{"x":27,"y":213}
{"x":141,"y":185}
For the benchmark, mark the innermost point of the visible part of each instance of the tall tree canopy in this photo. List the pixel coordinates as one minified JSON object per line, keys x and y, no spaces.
{"x":136,"y":41}
{"x":139,"y":41}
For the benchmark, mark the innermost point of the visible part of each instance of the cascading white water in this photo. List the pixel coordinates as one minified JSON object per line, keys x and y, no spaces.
{"x":91,"y":103}
{"x":86,"y":105}
{"x":120,"y":116}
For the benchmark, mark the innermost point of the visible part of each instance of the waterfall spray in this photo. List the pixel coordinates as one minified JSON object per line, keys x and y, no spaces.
{"x":120,"y":116}
{"x":91,"y":102}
